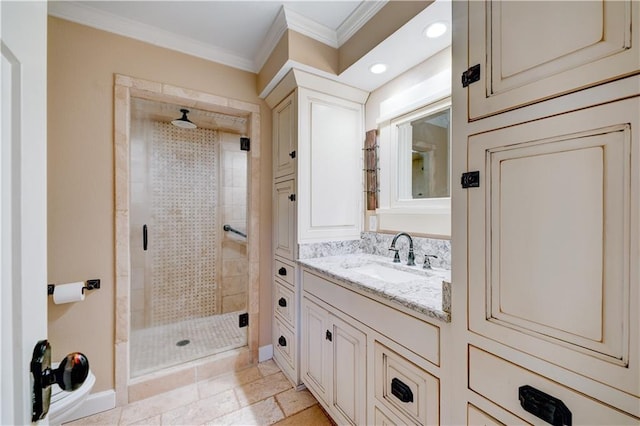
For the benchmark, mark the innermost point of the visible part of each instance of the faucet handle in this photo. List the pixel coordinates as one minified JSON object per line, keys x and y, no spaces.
{"x":396,"y":257}
{"x":427,"y":261}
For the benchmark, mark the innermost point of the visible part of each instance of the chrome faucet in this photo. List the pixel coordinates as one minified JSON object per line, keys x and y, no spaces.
{"x":411,"y":259}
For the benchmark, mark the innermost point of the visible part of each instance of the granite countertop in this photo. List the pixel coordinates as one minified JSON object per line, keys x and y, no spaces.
{"x":429,"y":293}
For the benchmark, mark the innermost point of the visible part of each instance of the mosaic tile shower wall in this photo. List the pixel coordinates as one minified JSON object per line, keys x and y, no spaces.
{"x":183,"y":165}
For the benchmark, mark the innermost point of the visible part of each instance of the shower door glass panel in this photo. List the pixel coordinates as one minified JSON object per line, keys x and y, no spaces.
{"x":188,"y":276}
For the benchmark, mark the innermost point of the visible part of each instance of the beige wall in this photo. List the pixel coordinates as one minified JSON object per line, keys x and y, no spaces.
{"x":302,"y":49}
{"x":81,"y":66}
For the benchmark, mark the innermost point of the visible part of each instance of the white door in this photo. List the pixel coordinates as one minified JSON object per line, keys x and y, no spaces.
{"x":23,"y":208}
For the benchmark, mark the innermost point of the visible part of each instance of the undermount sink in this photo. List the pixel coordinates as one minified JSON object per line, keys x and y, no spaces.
{"x":385,"y":273}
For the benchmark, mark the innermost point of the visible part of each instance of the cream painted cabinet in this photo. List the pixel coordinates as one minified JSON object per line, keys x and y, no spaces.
{"x":317,"y":169}
{"x":284,"y":219}
{"x":554,"y":231}
{"x":550,"y":230}
{"x":530,"y":51}
{"x":285,"y":137}
{"x":334,"y":363}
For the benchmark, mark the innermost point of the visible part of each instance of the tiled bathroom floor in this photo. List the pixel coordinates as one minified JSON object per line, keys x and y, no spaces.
{"x":259,"y":395}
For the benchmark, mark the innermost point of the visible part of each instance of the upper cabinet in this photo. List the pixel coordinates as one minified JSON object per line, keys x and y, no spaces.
{"x":318,"y":139}
{"x":531,"y":51}
{"x":284,"y":137}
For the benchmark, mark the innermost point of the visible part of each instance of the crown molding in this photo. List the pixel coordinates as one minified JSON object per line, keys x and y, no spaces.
{"x":277,"y":29}
{"x":86,"y":15}
{"x":310,"y":28}
{"x":360,"y":16}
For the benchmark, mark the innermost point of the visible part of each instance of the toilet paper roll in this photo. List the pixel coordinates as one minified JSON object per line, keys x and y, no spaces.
{"x":67,"y":293}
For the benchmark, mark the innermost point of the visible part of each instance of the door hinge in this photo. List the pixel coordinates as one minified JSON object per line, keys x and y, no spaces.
{"x":471,"y":75}
{"x":292,"y":197}
{"x":470,"y":180}
{"x":245,"y":144}
{"x":243,"y":320}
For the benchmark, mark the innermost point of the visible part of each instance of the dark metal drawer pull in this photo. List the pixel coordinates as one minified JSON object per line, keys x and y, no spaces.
{"x":282,"y":341}
{"x":145,"y":238}
{"x":282,"y":302}
{"x":544,"y":406}
{"x":282,"y":271}
{"x":401,"y":391}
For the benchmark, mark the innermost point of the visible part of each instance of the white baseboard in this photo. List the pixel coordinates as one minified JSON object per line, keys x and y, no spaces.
{"x":265,"y":353}
{"x":96,"y":403}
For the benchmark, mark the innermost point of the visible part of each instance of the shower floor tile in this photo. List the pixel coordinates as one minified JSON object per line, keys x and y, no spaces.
{"x":155,"y":348}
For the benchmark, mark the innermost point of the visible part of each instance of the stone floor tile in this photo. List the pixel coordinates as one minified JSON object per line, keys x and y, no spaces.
{"x":264,"y":412}
{"x":313,"y":416}
{"x":293,"y":401}
{"x":151,"y":421}
{"x":203,"y":410}
{"x":109,"y":417}
{"x":158,"y":404}
{"x":220,"y":384}
{"x":262,"y":389}
{"x":268,"y":368}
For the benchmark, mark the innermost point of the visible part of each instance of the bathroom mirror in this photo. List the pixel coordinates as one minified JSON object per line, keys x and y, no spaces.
{"x":415,"y":171}
{"x":423,"y":156}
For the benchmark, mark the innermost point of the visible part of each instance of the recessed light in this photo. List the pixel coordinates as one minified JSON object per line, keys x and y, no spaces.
{"x":378,"y":68}
{"x":435,"y":30}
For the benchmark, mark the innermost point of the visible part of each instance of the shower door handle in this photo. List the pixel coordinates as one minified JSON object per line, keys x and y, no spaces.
{"x":145,"y":238}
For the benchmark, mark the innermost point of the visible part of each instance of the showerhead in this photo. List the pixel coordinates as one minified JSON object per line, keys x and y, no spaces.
{"x":183,"y":121}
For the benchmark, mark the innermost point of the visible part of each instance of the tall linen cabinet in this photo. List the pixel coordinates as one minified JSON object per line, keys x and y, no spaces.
{"x":546,"y":218}
{"x":317,"y":188}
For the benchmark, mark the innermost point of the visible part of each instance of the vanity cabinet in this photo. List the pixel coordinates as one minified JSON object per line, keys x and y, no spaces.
{"x":532,"y":51}
{"x":317,"y":188}
{"x":334,"y":362}
{"x":359,"y":357}
{"x":550,"y":228}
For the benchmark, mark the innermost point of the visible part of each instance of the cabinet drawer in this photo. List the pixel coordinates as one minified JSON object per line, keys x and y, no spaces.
{"x":284,"y":271}
{"x":284,"y":303}
{"x":404,"y":388}
{"x":499,"y":380}
{"x":284,"y":342}
{"x":476,"y":416}
{"x":381,"y":418}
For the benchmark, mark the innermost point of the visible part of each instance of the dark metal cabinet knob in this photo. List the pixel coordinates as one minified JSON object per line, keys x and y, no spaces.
{"x":282,"y":302}
{"x":292,"y":154}
{"x":282,"y":271}
{"x":328,"y":336}
{"x":282,"y":341}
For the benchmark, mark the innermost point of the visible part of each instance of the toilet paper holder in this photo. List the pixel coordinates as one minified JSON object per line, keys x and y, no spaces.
{"x":88,"y":285}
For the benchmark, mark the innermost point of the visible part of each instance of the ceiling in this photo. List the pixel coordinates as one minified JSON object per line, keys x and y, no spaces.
{"x":242,"y":34}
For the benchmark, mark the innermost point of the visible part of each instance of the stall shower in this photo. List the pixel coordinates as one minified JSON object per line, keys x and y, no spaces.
{"x":189,"y":271}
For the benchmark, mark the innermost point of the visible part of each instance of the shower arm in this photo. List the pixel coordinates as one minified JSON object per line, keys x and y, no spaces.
{"x":228,"y":228}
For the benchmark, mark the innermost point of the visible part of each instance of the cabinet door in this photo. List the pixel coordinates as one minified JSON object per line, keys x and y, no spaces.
{"x":348,"y":353}
{"x":284,"y":221}
{"x":553,"y":241}
{"x":284,"y":137}
{"x":315,"y":363}
{"x":530,"y":50}
{"x":330,"y":167}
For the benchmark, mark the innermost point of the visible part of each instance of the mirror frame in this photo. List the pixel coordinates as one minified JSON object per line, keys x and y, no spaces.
{"x":441,"y":205}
